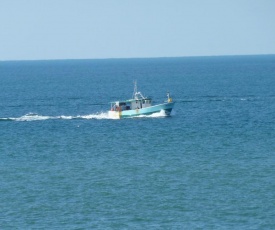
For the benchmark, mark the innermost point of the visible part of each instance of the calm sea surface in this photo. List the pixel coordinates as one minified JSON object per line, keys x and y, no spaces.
{"x":65,"y":165}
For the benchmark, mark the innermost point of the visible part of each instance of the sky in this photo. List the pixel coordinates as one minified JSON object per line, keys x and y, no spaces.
{"x":96,"y":29}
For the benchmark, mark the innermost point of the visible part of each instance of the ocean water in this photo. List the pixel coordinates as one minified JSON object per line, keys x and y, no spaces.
{"x":210,"y":165}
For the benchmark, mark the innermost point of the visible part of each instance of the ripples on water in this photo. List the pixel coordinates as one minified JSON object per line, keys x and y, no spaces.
{"x":209,"y":165}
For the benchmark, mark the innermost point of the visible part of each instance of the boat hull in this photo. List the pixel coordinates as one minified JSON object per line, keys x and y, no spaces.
{"x":166,"y":107}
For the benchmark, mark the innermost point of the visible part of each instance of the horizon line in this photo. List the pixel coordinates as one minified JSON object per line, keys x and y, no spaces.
{"x":117,"y":58}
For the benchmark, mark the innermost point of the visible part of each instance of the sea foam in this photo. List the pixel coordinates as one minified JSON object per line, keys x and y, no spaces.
{"x":98,"y":116}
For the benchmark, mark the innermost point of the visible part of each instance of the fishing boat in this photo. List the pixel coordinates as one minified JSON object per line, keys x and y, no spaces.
{"x":139,"y":105}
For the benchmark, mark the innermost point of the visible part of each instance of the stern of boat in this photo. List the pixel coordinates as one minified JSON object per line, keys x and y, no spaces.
{"x":114,"y":114}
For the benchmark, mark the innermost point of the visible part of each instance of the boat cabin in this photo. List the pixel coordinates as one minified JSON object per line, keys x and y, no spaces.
{"x":131,"y":104}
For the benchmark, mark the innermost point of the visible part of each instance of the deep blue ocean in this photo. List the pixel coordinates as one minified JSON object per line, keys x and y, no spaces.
{"x":210,"y":165}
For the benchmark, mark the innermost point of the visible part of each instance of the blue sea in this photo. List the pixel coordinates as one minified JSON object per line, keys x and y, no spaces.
{"x":210,"y":165}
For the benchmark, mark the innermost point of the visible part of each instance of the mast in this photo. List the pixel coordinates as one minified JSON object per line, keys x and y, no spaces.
{"x":135,"y":89}
{"x":137,"y":95}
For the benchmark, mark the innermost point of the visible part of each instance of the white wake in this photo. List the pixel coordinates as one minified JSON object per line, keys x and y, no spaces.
{"x":37,"y":117}
{"x":98,"y":116}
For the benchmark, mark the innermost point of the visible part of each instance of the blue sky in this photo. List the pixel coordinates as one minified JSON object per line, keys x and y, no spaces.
{"x":88,"y":29}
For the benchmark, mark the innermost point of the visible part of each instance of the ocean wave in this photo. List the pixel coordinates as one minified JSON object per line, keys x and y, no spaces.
{"x":211,"y":99}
